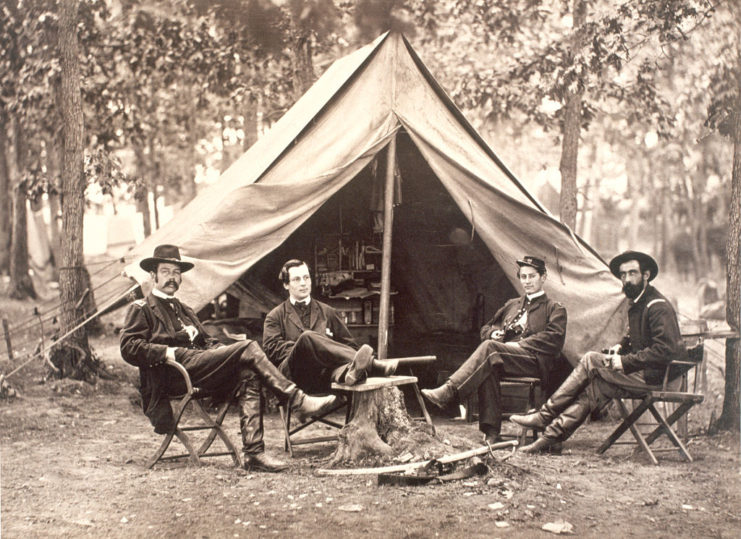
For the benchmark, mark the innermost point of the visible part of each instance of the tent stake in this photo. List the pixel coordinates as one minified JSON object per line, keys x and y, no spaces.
{"x":388,"y":223}
{"x":6,"y":331}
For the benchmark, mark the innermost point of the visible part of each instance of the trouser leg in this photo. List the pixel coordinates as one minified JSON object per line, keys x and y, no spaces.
{"x":482,"y":373}
{"x":478,"y":367}
{"x":316,"y":360}
{"x":251,"y":406}
{"x":490,"y":403}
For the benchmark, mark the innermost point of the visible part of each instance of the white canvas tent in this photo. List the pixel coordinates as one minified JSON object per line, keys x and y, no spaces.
{"x":327,"y":152}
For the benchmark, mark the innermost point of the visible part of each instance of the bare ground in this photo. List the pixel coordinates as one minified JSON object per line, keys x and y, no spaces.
{"x":73,"y":465}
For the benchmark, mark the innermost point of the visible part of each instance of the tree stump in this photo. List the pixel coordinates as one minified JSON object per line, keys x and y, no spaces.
{"x":380,"y":428}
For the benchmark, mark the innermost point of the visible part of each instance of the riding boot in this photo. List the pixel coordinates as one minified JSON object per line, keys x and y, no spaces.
{"x":569,"y":390}
{"x":301,"y":404}
{"x":250,"y":403}
{"x":563,"y":426}
{"x":255,"y":359}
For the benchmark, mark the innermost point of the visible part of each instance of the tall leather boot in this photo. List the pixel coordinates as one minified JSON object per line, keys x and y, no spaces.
{"x":570,"y":419}
{"x":250,"y":402}
{"x":301,"y":404}
{"x":569,"y":390}
{"x":255,"y":359}
{"x":563,"y":426}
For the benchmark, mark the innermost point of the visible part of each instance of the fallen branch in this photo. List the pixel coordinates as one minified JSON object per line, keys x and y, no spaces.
{"x":415,"y":465}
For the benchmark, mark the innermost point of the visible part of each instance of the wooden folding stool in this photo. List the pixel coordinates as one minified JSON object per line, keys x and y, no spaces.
{"x":683,"y":399}
{"x":289,"y":432}
{"x":193,"y":397}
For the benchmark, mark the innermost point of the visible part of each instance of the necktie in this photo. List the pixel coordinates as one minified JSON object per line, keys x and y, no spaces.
{"x":303,"y":311}
{"x":175,"y":306}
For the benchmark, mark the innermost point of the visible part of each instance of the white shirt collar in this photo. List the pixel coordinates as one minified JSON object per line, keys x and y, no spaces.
{"x":160,"y":294}
{"x":294,"y":300}
{"x":531,"y":297}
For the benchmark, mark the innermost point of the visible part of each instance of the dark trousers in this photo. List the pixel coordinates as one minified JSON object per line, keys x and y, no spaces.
{"x":245,"y":364}
{"x":483,"y":371}
{"x":316,"y":361}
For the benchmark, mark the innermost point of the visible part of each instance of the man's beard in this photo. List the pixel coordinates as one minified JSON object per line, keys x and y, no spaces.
{"x":633,"y":290}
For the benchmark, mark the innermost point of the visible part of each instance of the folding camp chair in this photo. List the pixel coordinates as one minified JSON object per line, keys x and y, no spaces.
{"x":681,"y":400}
{"x":289,"y":432}
{"x":193,"y":396}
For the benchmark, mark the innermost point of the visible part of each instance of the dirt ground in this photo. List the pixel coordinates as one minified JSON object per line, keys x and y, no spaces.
{"x":73,"y":457}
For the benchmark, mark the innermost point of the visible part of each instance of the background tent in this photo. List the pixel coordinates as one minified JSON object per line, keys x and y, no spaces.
{"x":461,"y":218}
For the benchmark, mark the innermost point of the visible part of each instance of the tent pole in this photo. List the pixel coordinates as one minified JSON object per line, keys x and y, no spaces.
{"x":388,"y":223}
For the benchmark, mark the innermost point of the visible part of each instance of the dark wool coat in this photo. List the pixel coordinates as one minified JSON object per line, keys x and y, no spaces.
{"x":544,"y":332}
{"x":147,"y":332}
{"x":653,"y":338}
{"x":283,"y":327}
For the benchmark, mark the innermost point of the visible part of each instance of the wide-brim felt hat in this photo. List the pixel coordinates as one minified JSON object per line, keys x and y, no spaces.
{"x":533,"y":262}
{"x":165,"y":253}
{"x":646,"y":261}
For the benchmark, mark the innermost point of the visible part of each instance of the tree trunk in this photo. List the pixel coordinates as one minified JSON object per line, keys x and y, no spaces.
{"x":634,"y":193}
{"x":21,"y":285}
{"x":301,"y":56}
{"x":56,"y":237}
{"x":142,"y":193}
{"x":250,"y":126}
{"x":666,"y":225}
{"x":731,"y":415}
{"x":154,"y":174}
{"x":73,"y":357}
{"x":379,"y":424}
{"x":571,"y":129}
{"x":5,"y":226}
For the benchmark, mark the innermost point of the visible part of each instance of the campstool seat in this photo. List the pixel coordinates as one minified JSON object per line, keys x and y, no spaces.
{"x":193,"y":398}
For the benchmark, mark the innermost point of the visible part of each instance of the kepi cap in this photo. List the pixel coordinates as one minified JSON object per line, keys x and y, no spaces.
{"x":533,"y":262}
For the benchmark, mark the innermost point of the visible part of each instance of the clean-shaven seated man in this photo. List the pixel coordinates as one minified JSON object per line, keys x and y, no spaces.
{"x":160,"y":327}
{"x":310,"y":343}
{"x":633,"y":367}
{"x":524,"y":339}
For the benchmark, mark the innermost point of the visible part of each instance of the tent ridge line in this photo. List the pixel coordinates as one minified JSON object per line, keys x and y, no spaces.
{"x":324,"y":107}
{"x":478,"y":178}
{"x":453,"y":108}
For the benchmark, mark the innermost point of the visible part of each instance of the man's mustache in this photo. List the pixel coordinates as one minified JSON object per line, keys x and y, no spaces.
{"x":171,"y":282}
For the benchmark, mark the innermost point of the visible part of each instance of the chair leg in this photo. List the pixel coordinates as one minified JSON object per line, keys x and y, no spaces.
{"x":178,"y":413}
{"x":628,"y":423}
{"x":665,"y":427}
{"x":161,"y":451}
{"x":285,"y":419}
{"x":216,"y":429}
{"x":421,"y":402}
{"x":185,"y":440}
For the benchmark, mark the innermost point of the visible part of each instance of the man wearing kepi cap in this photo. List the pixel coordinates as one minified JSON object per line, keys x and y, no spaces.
{"x":160,"y":328}
{"x":524,"y":338}
{"x":634,"y":366}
